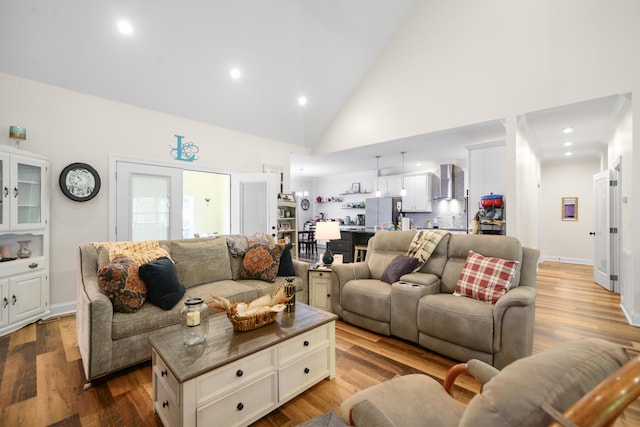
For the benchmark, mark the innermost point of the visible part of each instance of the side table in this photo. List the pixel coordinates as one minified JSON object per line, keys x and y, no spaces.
{"x":320,"y":288}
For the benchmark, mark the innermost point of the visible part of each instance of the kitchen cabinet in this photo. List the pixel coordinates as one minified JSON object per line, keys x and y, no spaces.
{"x":418,"y":197}
{"x":288,"y":225}
{"x":346,"y":244}
{"x":24,"y":282}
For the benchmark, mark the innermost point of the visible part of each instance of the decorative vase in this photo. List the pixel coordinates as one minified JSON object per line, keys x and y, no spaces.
{"x":24,"y":251}
{"x":290,"y":291}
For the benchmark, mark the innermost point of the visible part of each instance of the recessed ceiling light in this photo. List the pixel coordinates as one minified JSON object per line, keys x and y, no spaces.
{"x":567,"y":130}
{"x":568,"y":153}
{"x":568,"y":144}
{"x":125,"y":27}
{"x":235,"y":73}
{"x":302,"y":100}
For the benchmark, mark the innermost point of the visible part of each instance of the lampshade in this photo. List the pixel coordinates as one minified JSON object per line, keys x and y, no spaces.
{"x":329,"y":230}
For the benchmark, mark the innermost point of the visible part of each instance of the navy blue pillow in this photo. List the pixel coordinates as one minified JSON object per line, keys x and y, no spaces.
{"x":286,"y":262}
{"x":161,"y":278}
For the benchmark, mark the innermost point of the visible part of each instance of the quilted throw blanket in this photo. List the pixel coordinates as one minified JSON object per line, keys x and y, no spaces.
{"x":423,"y":244}
{"x":239,"y":243}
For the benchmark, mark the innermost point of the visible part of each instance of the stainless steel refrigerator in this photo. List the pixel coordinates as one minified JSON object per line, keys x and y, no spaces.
{"x":382,"y":212}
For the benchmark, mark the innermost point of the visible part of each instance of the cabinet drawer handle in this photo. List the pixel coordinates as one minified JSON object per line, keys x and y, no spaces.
{"x":163,"y":373}
{"x":305,"y":343}
{"x":240,"y":406}
{"x":13,"y":300}
{"x":33,"y":265}
{"x":6,"y":191}
{"x":15,"y":192}
{"x":5,"y":302}
{"x":307,"y":370}
{"x":165,"y":404}
{"x":239,"y":373}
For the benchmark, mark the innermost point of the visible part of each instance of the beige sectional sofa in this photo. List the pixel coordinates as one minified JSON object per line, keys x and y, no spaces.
{"x":424,"y":308}
{"x":110,"y":340}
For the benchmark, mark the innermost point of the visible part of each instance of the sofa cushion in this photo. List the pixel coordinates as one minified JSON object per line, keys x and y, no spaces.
{"x":464,"y":321}
{"x":161,"y":278}
{"x":152,"y":318}
{"x":505,"y":247}
{"x":557,"y":377}
{"x":201,"y":261}
{"x":261,"y":262}
{"x":485,"y":278}
{"x":399,"y":266}
{"x":368,"y":297}
{"x":286,"y":262}
{"x":119,"y":280}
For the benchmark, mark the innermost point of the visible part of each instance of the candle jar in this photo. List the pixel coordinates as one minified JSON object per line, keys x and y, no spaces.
{"x":195,"y":326}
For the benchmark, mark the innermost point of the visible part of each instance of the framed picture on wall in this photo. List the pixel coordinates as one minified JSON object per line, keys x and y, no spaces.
{"x":569,"y":208}
{"x":355,"y":187}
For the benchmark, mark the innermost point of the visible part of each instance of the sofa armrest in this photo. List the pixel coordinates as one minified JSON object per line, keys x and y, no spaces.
{"x":301,"y":269}
{"x":94,"y":317}
{"x":340,"y":275}
{"x":513,"y":321}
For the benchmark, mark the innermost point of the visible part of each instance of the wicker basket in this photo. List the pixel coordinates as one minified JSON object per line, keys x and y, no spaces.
{"x":250,"y":323}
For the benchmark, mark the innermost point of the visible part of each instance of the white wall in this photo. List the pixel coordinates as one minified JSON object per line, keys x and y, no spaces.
{"x":69,"y":127}
{"x":461,"y":62}
{"x":568,"y":241}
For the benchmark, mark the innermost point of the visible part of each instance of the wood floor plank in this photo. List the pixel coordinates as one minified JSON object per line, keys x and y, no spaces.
{"x":568,"y":306}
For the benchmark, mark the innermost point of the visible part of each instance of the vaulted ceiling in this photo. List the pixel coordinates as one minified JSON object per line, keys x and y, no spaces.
{"x":179,"y":57}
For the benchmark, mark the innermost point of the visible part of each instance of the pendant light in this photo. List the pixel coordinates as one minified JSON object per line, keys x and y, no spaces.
{"x":378,"y":192}
{"x":403,"y":191}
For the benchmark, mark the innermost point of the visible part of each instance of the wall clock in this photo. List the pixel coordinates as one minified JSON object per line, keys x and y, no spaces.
{"x":79,"y":182}
{"x":304,"y":204}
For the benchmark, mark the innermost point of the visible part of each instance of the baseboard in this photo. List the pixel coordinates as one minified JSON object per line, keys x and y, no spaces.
{"x":633,"y":319}
{"x":582,"y":261}
{"x":63,"y":309}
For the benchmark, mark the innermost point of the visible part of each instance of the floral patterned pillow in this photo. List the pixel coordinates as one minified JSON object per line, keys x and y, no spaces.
{"x":261,"y":262}
{"x":119,"y":280}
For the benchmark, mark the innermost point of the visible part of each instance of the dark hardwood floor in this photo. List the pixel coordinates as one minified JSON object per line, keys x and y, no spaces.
{"x":42,"y":377}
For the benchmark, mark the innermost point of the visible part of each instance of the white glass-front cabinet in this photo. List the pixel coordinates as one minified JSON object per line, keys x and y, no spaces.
{"x":24,"y":280}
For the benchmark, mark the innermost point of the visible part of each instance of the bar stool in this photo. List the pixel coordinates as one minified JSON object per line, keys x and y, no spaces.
{"x":359,"y":253}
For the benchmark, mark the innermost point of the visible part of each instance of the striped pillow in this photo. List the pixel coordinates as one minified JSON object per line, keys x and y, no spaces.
{"x":485,"y":278}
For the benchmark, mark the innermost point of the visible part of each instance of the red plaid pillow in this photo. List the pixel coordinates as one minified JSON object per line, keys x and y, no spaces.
{"x":484,"y":278}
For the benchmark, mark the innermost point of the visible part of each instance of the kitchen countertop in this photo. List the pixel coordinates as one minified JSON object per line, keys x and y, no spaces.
{"x":361,"y":229}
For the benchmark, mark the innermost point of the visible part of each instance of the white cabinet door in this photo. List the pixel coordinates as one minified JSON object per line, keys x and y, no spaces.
{"x":5,"y":188}
{"x":27,"y":193}
{"x":27,"y":296}
{"x":4,"y":302}
{"x":418,"y":198}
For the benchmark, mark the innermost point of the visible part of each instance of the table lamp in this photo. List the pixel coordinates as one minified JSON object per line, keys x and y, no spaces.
{"x":329,"y":230}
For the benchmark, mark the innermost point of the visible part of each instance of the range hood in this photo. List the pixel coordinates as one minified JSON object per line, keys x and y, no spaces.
{"x":451,"y":178}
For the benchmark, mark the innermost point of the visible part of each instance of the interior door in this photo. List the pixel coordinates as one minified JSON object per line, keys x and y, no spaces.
{"x":602,"y":228}
{"x":254,"y":199}
{"x":149,"y":202}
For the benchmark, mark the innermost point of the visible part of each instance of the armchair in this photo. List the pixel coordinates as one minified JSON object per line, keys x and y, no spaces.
{"x":587,"y":382}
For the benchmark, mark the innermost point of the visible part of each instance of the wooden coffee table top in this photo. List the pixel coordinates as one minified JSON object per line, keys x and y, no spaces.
{"x":224,"y":345}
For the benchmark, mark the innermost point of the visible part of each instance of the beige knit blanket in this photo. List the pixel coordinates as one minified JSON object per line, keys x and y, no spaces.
{"x":423,"y":244}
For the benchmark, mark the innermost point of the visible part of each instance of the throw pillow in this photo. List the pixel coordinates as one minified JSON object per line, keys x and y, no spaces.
{"x":286,"y":262}
{"x":261,"y":262}
{"x":161,"y":278}
{"x":485,"y":278}
{"x":119,"y":280}
{"x":398,"y":267}
{"x":201,"y":261}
